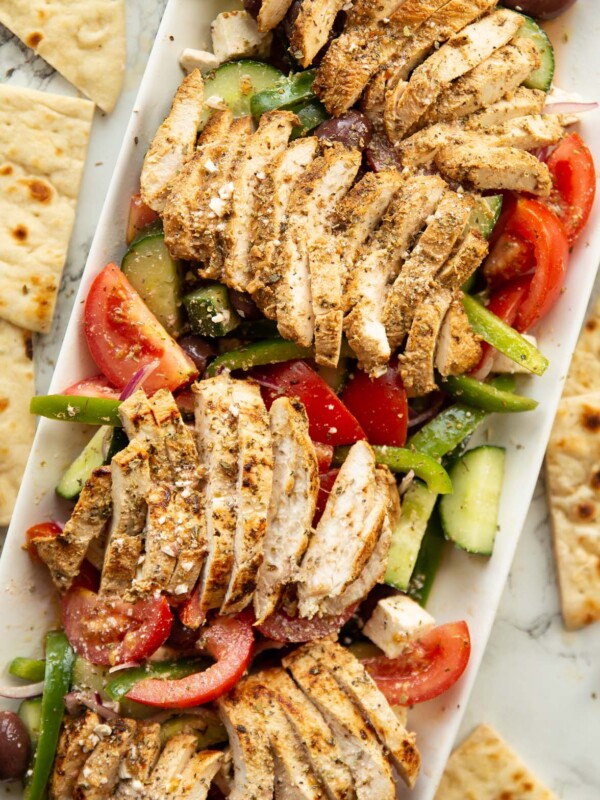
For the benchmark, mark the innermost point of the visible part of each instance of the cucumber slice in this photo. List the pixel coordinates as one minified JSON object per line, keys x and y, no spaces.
{"x":210,"y":312}
{"x":30,"y":713}
{"x":236,"y":82}
{"x":417,"y":506}
{"x":486,"y":214}
{"x":156,"y":277}
{"x":540,"y":78}
{"x":90,"y":458}
{"x":470,"y":515}
{"x":118,"y":441}
{"x":89,"y":676}
{"x":428,"y":561}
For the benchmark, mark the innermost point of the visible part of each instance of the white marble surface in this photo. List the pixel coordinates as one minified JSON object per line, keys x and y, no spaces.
{"x":539,"y":686}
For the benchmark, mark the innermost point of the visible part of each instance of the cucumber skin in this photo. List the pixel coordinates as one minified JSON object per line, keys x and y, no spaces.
{"x":225,"y":83}
{"x":207,"y":302}
{"x":30,"y":714}
{"x":90,"y":458}
{"x":540,"y":78}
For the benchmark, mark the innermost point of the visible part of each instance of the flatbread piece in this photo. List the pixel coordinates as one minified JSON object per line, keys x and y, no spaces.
{"x":484,"y":767}
{"x":43,"y":144}
{"x":573,"y":483}
{"x":83,"y":39}
{"x":17,"y":425}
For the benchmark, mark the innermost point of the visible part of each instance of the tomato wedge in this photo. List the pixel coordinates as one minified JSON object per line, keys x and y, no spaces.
{"x":324,"y":455}
{"x":95,"y":386}
{"x":379,"y":405}
{"x":230,"y":641}
{"x":329,"y":419}
{"x":282,"y":628}
{"x":430,"y":666}
{"x":123,"y":335}
{"x":140,"y":216}
{"x":42,"y":530}
{"x":114,"y":632}
{"x":574,"y":177}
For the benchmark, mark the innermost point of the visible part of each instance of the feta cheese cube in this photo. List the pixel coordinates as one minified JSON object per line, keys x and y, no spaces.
{"x":395,"y":622}
{"x":506,"y":366}
{"x":191,"y":59}
{"x":235,"y":34}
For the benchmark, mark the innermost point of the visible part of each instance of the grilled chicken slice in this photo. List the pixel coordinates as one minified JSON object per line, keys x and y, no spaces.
{"x":253,"y":492}
{"x":527,"y":133}
{"x":77,"y":740}
{"x":187,"y":205}
{"x":163,"y":523}
{"x":139,"y":762}
{"x":485,"y":167}
{"x":100,"y":773}
{"x":416,"y":363}
{"x":462,"y":264}
{"x":253,"y":762}
{"x":269,"y":141}
{"x":459,"y":55}
{"x":362,"y":12}
{"x":378,"y":265}
{"x":346,"y":535}
{"x":433,"y":248}
{"x":520,"y":103}
{"x":218,"y":445}
{"x":311,"y":29}
{"x":317,"y":740}
{"x":166,"y":777}
{"x":140,"y":423}
{"x":63,"y":554}
{"x":458,"y":347}
{"x":272,"y":198}
{"x":353,"y":678}
{"x":498,"y":76}
{"x":271,"y":13}
{"x":130,"y":484}
{"x":198,"y":775}
{"x":374,"y":570}
{"x":360,"y":747}
{"x":292,"y":505}
{"x":308,"y":289}
{"x":178,"y":439}
{"x":174,"y":142}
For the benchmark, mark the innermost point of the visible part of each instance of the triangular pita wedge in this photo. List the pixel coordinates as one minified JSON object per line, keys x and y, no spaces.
{"x":17,"y":425}
{"x":83,"y":39}
{"x":43,"y":143}
{"x":584,"y":372}
{"x":484,"y":767}
{"x":573,"y":483}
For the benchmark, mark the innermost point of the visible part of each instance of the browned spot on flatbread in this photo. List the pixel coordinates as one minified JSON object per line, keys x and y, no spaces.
{"x":39,"y":191}
{"x":6,"y":170}
{"x":3,"y":404}
{"x":591,"y":325}
{"x":28,"y":344}
{"x":41,"y":14}
{"x":34,"y":39}
{"x":586,"y":511}
{"x":591,"y":419}
{"x":20,"y":233}
{"x":595,"y":480}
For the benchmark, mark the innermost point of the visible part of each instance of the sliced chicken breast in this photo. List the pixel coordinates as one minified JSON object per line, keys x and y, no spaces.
{"x":292,"y":505}
{"x":362,"y":12}
{"x":416,"y":363}
{"x":179,"y":441}
{"x":100,"y":773}
{"x":163,"y":523}
{"x":434,"y":247}
{"x":76,"y":742}
{"x":458,"y":348}
{"x":520,"y":103}
{"x":174,"y":142}
{"x":464,"y":261}
{"x":64,"y":554}
{"x":198,"y":775}
{"x":166,"y":777}
{"x":140,"y":423}
{"x":346,"y":535}
{"x":139,"y":762}
{"x":272,"y":198}
{"x":360,"y":747}
{"x":310,"y":32}
{"x":130,"y":484}
{"x":269,"y":141}
{"x":271,"y":13}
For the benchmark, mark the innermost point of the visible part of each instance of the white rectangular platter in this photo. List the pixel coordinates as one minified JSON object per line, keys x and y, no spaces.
{"x":467,"y":587}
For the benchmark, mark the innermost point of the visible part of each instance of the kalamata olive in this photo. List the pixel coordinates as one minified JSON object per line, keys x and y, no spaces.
{"x":252,"y":7}
{"x":198,"y":349}
{"x":287,"y":25}
{"x":14,"y":747}
{"x":542,"y":9}
{"x":352,"y":129}
{"x":380,"y":154}
{"x":244,"y":305}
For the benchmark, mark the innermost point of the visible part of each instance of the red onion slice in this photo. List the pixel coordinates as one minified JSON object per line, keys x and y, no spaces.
{"x":93,"y":701}
{"x":126,"y":665}
{"x":22,"y":692}
{"x":569,"y":107}
{"x":138,"y":378}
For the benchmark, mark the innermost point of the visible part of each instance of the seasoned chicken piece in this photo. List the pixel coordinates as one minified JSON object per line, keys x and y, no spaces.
{"x":179,"y":440}
{"x":292,"y":505}
{"x":272,"y":198}
{"x":130,"y":484}
{"x":100,"y":773}
{"x":198,"y":775}
{"x":184,"y":214}
{"x":317,"y":740}
{"x":253,"y":491}
{"x":346,"y":535}
{"x":462,"y":264}
{"x":309,"y":288}
{"x":433,"y":248}
{"x":139,"y":423}
{"x":459,"y":55}
{"x":174,"y":142}
{"x":77,"y":741}
{"x":311,"y":29}
{"x":495,"y":78}
{"x":253,"y":762}
{"x":218,"y":444}
{"x":520,"y":103}
{"x":458,"y":348}
{"x":527,"y":133}
{"x":378,"y":265}
{"x":374,"y":570}
{"x":486,"y":167}
{"x":166,"y":777}
{"x":269,"y":141}
{"x":271,"y":13}
{"x":416,"y":363}
{"x":163,"y":523}
{"x":372,"y":103}
{"x":362,"y":12}
{"x":139,"y":762}
{"x":63,"y":554}
{"x":360,"y":747}
{"x":223,"y":779}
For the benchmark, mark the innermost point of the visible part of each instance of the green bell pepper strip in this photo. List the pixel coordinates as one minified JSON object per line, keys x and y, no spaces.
{"x":311,"y":116}
{"x":117,"y":687}
{"x":399,"y":459}
{"x":257,"y":355}
{"x":504,"y":338}
{"x":428,"y":561}
{"x":29,"y":669}
{"x":486,"y":397}
{"x":57,"y":680}
{"x":69,"y":408}
{"x":288,"y":93}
